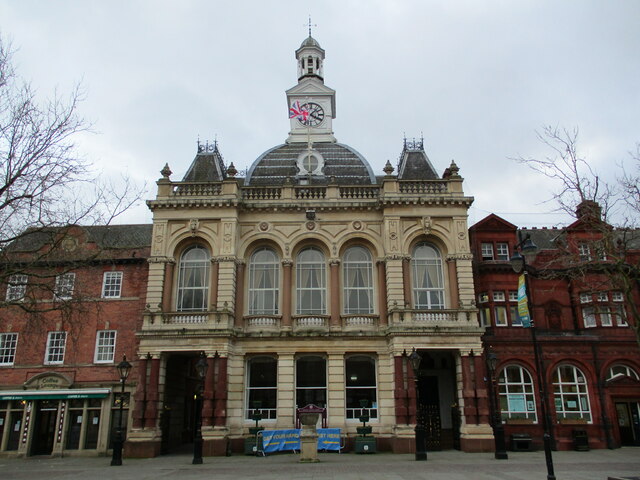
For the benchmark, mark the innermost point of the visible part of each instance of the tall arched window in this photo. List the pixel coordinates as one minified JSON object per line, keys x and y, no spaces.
{"x":570,"y":393}
{"x":193,"y":280}
{"x":357,"y":281}
{"x":515,"y":388}
{"x":311,"y":283}
{"x":264,"y":283}
{"x":428,"y":278}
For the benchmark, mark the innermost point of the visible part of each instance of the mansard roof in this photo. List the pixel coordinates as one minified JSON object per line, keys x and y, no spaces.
{"x":207,"y":166}
{"x":414,"y":163}
{"x":342,"y":165}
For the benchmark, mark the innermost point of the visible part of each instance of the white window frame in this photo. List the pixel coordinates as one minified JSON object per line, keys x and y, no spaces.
{"x":56,"y":346}
{"x":305,"y":269}
{"x":520,"y":393}
{"x":351,"y":270}
{"x":268,"y":412}
{"x":617,"y":296}
{"x":263,"y":300}
{"x":513,"y":296}
{"x":502,"y":251}
{"x":428,"y":258}
{"x":112,"y":284}
{"x":17,"y":287}
{"x":584,"y":251}
{"x":354,"y":413}
{"x":105,"y":346}
{"x":626,"y":372}
{"x":589,"y":317}
{"x":498,"y":296}
{"x":486,"y":251}
{"x":195,"y":270}
{"x":500,"y":314}
{"x":573,"y":386}
{"x":606,"y":316}
{"x":65,"y":284}
{"x":8,"y":347}
{"x":586,"y":297}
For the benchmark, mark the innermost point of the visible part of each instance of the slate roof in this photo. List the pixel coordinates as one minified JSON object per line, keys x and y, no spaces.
{"x":414,"y":163}
{"x":105,"y":236}
{"x":342,"y":162}
{"x":208,"y":166}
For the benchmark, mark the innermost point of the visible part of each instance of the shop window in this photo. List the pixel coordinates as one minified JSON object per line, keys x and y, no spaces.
{"x":262,"y":387}
{"x":111,"y":284}
{"x":517,"y":399}
{"x":571,"y":396}
{"x":16,"y":288}
{"x":8,"y":346}
{"x":311,"y":381}
{"x":428,"y":278}
{"x":14,"y":413}
{"x":56,"y":343}
{"x":193,"y":280}
{"x":264,"y":282}
{"x":357,"y":281}
{"x":311,"y":283}
{"x":105,"y":346}
{"x":64,"y":286}
{"x":361,"y":387}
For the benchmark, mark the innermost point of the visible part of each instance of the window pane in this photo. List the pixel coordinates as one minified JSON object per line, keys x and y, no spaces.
{"x":311,"y":282}
{"x":570,"y":393}
{"x":262,"y":387}
{"x":193,"y":280}
{"x":311,"y":383}
{"x":357,"y":281}
{"x":515,"y":388}
{"x":112,"y":284}
{"x":264,"y":283}
{"x":428,"y":278}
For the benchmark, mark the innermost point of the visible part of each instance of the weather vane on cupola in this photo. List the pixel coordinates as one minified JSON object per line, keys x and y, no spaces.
{"x":309,"y":24}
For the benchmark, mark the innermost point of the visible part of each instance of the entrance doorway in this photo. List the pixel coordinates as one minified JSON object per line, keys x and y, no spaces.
{"x":178,"y":416}
{"x":436,"y":391}
{"x":44,"y":427}
{"x":628,"y":414}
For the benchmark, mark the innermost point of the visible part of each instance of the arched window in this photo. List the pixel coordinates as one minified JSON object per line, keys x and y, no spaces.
{"x":357,"y":281}
{"x":262,"y":387}
{"x":570,"y":393}
{"x":264,"y":283}
{"x":428,"y":278}
{"x":515,"y":389}
{"x":193,"y":280}
{"x":620,"y":370}
{"x":311,"y":283}
{"x":361,"y":386}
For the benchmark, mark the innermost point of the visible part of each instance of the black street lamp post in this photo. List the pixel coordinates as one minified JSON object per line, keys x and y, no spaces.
{"x":498,"y":428}
{"x":421,"y":432}
{"x":526,"y":248}
{"x":201,"y":368}
{"x":123,"y":368}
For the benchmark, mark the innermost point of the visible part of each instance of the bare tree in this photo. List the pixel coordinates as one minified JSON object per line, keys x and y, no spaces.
{"x":46,"y":188}
{"x":609,"y":257}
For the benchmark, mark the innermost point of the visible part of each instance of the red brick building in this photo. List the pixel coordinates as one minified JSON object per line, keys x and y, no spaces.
{"x":72,"y":303}
{"x":589,"y":355}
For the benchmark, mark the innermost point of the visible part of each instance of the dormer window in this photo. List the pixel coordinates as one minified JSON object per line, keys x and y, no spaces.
{"x":310,"y":163}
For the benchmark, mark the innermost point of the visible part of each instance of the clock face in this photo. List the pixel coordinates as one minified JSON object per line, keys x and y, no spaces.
{"x":315,"y":115}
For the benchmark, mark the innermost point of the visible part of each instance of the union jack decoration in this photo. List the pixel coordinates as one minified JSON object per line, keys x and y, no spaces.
{"x":298,"y":111}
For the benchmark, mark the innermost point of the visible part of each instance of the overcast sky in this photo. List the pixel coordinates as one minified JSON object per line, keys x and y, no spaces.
{"x":475,"y":78}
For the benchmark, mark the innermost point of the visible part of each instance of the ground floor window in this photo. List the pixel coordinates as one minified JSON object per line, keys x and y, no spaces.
{"x":515,"y":389}
{"x":311,"y":381}
{"x":83,"y":425}
{"x":361,"y":396}
{"x":11,"y":412}
{"x":262,"y":387}
{"x":570,"y":393}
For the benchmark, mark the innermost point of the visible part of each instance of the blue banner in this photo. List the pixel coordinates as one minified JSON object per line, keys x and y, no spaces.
{"x":281,"y":440}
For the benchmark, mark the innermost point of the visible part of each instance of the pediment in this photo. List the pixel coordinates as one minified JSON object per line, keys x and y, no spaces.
{"x":622,"y":381}
{"x":492,"y":223}
{"x":311,"y":87}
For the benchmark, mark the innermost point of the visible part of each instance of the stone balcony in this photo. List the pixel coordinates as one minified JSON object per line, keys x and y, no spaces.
{"x":182,"y":321}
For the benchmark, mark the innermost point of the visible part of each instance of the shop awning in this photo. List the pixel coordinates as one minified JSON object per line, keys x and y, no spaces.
{"x":77,"y":393}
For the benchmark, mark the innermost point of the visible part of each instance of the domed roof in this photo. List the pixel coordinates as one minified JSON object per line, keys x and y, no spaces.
{"x":342,"y":165}
{"x":310,"y":42}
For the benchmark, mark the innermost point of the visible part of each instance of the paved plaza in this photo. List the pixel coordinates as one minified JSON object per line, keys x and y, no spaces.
{"x":448,"y":465}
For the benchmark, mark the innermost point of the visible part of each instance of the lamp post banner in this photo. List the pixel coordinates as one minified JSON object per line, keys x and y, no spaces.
{"x":523,"y":307}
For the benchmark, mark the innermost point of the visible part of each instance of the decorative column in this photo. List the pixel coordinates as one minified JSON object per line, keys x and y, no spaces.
{"x":382,"y":291}
{"x":453,"y":283}
{"x":406,"y":280}
{"x":213,"y":292}
{"x":221,"y":387}
{"x":167,"y":286}
{"x":239,"y":294}
{"x":140,"y":395}
{"x":286,"y":292}
{"x":335,"y":293}
{"x":151,"y":410}
{"x":208,"y":395}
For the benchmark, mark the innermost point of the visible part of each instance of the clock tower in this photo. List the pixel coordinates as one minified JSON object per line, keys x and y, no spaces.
{"x":311,"y":104}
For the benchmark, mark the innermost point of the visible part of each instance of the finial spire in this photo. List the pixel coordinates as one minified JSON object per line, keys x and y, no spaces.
{"x":310,"y":25}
